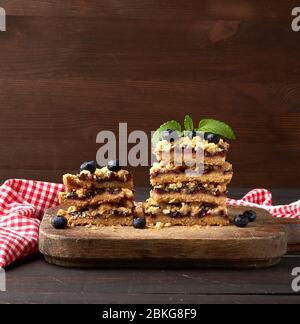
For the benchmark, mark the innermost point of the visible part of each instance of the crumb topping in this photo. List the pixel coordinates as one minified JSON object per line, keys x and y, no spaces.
{"x":190,"y":187}
{"x":195,"y":143}
{"x":104,"y":174}
{"x":161,"y":167}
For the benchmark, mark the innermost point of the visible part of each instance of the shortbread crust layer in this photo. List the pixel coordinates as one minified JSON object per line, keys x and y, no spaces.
{"x":181,"y":197}
{"x":188,"y":221}
{"x":174,"y":178}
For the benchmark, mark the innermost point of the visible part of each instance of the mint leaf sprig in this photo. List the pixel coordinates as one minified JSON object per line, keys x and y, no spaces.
{"x":216,"y":127}
{"x":205,"y":125}
{"x":188,"y":123}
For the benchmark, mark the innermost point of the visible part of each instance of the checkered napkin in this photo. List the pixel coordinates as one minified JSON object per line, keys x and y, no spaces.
{"x":23,"y":202}
{"x":262,"y":198}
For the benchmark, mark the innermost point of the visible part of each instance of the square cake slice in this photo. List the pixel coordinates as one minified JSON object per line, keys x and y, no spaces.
{"x":186,"y":214}
{"x":99,"y":196}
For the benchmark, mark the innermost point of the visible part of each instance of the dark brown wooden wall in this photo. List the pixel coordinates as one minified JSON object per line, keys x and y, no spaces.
{"x":69,"y":69}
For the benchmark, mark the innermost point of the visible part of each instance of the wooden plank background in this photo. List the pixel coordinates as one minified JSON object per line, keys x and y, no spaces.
{"x":69,"y":69}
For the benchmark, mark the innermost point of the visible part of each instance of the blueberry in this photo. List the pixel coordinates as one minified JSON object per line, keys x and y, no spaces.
{"x":59,"y":222}
{"x":89,"y":166}
{"x":191,"y":134}
{"x":72,"y":195}
{"x":166,"y":133}
{"x":169,"y":135}
{"x":176,"y":215}
{"x":251,"y":215}
{"x":241,"y":221}
{"x":212,"y":138}
{"x":139,"y":222}
{"x":113,"y":165}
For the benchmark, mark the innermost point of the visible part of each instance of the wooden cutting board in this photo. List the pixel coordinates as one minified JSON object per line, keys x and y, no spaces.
{"x":262,"y":244}
{"x":292,"y":228}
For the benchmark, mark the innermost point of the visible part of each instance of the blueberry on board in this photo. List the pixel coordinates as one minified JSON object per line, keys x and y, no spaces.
{"x":241,"y":221}
{"x":88,"y":166}
{"x":212,"y":138}
{"x":139,"y":222}
{"x":251,"y":215}
{"x":59,"y":222}
{"x":113,"y":165}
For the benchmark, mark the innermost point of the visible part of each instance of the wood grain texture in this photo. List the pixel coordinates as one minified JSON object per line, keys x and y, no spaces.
{"x":69,"y":70}
{"x":35,"y":281}
{"x":155,"y":10}
{"x":260,"y":245}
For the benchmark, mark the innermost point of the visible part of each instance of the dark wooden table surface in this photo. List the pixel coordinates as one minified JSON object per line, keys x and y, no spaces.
{"x":34,"y":281}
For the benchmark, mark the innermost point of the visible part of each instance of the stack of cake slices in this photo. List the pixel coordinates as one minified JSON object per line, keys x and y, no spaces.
{"x":101,"y":197}
{"x":182,"y":197}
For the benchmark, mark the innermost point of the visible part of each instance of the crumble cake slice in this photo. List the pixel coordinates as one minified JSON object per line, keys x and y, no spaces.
{"x":101,"y":178}
{"x":98,"y":196}
{"x":106,"y":214}
{"x":161,"y":173}
{"x":94,"y":197}
{"x":213,"y":153}
{"x":187,"y":197}
{"x":186,"y":214}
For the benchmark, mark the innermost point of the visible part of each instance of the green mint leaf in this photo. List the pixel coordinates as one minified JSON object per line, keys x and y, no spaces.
{"x":156,"y":138}
{"x":172,"y":125}
{"x":188,"y":123}
{"x":216,"y":127}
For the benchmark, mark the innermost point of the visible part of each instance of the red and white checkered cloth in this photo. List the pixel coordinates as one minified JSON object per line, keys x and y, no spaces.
{"x":262,"y":198}
{"x":23,"y":202}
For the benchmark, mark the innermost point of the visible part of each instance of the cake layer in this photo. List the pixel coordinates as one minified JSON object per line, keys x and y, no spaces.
{"x":102,"y":178}
{"x":100,"y":221}
{"x":95,"y":197}
{"x":161,"y":174}
{"x":215,"y":189}
{"x":106,"y":214}
{"x":179,"y":158}
{"x":187,"y":197}
{"x":190,"y":192}
{"x":122,"y":208}
{"x":178,"y":210}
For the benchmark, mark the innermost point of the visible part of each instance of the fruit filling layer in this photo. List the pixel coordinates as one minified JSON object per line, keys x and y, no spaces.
{"x":124,"y":208}
{"x":95,"y":197}
{"x":82,"y":194}
{"x":177,"y":210}
{"x":192,"y":187}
